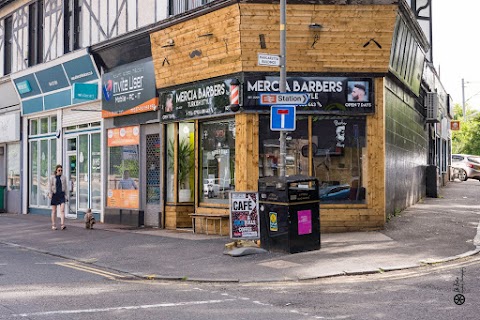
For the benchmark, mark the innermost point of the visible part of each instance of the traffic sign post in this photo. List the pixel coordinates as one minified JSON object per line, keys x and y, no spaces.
{"x":283,"y":81}
{"x":283,"y":118}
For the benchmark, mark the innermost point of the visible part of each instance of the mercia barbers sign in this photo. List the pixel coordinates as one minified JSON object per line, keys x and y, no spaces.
{"x":202,"y":99}
{"x":327,"y":94}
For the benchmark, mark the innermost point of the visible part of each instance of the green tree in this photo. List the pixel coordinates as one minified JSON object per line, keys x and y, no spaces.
{"x":467,"y":139}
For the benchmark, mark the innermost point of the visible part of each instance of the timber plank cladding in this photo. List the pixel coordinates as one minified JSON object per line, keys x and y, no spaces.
{"x":228,"y":40}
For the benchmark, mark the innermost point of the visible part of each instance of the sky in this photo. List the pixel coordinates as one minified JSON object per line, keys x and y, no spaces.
{"x":456,"y":48}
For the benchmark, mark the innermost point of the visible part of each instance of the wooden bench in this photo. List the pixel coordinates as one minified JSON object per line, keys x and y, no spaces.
{"x":205,"y":217}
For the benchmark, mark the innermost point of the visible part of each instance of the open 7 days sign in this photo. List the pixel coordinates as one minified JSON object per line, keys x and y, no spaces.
{"x":244,"y":216}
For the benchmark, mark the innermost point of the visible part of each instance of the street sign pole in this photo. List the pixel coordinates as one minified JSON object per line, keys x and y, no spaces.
{"x":283,"y":80}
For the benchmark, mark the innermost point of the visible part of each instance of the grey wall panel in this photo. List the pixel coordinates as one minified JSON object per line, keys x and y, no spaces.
{"x":406,"y":153}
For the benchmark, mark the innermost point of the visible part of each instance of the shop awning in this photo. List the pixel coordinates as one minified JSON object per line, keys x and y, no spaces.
{"x":63,"y":82}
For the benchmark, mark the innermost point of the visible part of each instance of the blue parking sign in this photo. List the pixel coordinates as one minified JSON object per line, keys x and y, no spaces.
{"x":282,"y":118}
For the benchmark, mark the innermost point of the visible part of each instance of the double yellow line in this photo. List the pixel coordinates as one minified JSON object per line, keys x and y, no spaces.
{"x":84,"y":268}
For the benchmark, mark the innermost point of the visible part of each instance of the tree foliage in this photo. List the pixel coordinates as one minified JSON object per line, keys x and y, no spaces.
{"x":467,"y":139}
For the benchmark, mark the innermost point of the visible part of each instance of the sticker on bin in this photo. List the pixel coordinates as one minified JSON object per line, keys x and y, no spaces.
{"x":304,"y":222}
{"x":273,"y":221}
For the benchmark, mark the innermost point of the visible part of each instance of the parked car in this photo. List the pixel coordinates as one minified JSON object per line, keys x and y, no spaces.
{"x":335,"y":192}
{"x":470,"y":165}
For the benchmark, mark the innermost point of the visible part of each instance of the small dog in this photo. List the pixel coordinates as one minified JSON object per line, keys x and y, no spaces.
{"x":89,"y":219}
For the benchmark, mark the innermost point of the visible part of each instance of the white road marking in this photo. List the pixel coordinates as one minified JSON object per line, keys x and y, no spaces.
{"x":148,"y":306}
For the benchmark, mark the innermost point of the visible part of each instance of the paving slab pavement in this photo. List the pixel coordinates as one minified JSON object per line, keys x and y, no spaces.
{"x":434,"y":230}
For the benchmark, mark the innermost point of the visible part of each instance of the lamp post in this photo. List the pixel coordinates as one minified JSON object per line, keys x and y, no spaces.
{"x":283,"y":80}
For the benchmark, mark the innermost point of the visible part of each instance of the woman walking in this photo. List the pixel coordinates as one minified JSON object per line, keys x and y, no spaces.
{"x":57,"y":194}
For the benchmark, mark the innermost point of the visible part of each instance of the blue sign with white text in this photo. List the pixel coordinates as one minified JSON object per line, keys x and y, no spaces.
{"x":282,"y":118}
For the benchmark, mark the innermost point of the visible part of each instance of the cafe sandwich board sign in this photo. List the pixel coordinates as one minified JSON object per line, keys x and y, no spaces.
{"x":244,"y":216}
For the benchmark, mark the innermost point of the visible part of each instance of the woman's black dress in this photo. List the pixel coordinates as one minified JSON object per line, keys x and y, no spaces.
{"x":59,"y":196}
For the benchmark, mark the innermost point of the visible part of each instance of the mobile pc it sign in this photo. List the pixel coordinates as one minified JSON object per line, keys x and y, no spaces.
{"x":244,"y":216}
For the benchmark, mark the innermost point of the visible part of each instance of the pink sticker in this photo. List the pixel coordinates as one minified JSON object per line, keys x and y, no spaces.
{"x":304,"y":222}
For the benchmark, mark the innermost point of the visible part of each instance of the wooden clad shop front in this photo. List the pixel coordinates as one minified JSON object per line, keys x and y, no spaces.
{"x":340,"y":139}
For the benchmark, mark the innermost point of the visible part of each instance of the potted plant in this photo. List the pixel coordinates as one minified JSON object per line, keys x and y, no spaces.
{"x":185,"y":165}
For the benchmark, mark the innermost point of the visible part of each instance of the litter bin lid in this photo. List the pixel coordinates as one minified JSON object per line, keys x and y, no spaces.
{"x":287,"y":179}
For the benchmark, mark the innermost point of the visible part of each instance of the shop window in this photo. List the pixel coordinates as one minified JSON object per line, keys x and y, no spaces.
{"x":186,"y":161}
{"x":170,"y":162}
{"x":338,"y":147}
{"x":53,"y":124}
{"x":44,"y":125}
{"x":44,"y":173}
{"x":53,"y":154}
{"x":33,"y":127}
{"x":13,"y":166}
{"x":43,"y":153}
{"x":95,"y":172}
{"x":270,"y":149}
{"x":123,"y":167}
{"x":82,"y":172}
{"x":183,"y":165}
{"x":33,"y":173}
{"x":217,"y":154}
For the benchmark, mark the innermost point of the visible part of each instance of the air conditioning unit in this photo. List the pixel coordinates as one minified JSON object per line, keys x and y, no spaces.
{"x":431,"y":103}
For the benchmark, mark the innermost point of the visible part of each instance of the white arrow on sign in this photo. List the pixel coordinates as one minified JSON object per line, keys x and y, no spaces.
{"x":284,"y":99}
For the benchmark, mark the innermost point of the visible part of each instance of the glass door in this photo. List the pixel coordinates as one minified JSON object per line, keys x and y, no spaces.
{"x":71,"y":174}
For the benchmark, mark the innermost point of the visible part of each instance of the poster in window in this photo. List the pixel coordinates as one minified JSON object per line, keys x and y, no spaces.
{"x":123,"y":148}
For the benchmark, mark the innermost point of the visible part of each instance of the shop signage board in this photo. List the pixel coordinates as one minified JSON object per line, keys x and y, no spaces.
{"x":129,"y":89}
{"x":196,"y":100}
{"x":343,"y":95}
{"x":51,"y":87}
{"x":282,"y":118}
{"x":84,"y":92}
{"x":244,"y":215}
